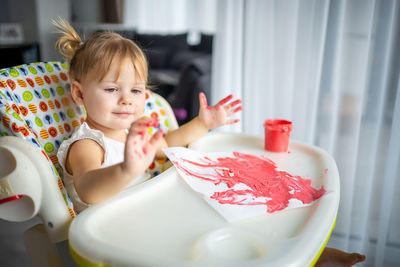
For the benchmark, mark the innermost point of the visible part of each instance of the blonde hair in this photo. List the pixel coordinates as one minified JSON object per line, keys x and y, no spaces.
{"x":98,"y":52}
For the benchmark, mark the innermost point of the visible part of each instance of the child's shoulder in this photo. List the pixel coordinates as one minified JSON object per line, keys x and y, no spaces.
{"x":84,"y":140}
{"x":84,"y":155}
{"x":84,"y":131}
{"x":84,"y":149}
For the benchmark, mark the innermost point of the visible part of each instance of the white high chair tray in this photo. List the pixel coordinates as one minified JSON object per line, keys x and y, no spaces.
{"x":163,"y":222}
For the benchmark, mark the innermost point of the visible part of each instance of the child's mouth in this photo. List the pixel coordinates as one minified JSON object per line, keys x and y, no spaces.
{"x":123,"y":114}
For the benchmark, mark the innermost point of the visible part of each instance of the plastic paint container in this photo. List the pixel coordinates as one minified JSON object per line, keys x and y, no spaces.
{"x":277,"y":135}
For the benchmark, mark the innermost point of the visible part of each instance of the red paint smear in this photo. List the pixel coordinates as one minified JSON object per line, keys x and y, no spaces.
{"x":236,"y":102}
{"x":225,"y":100}
{"x":260,"y":175}
{"x":237,"y":109}
{"x":142,"y":133}
{"x":153,"y":123}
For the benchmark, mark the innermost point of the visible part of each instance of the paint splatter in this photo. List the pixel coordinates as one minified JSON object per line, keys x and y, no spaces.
{"x":265,"y":184}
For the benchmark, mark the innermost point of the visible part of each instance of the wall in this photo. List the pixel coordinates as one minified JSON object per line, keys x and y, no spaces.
{"x":35,"y":16}
{"x":23,"y":12}
{"x":47,"y":10}
{"x":87,"y":11}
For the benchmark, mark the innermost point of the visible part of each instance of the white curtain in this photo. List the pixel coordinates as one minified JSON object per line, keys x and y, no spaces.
{"x":169,"y":16}
{"x":332,"y":67}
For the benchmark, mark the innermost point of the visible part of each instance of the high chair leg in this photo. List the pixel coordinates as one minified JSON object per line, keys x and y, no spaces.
{"x":41,"y":251}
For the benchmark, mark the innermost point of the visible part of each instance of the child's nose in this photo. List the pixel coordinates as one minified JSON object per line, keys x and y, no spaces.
{"x":126,"y":99}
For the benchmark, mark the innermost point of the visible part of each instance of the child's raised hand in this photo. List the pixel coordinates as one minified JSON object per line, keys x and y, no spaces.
{"x":140,"y":146}
{"x":218,"y":115}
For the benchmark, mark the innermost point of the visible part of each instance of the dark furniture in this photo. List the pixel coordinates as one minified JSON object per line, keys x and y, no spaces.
{"x":17,"y":54}
{"x":177,"y":70}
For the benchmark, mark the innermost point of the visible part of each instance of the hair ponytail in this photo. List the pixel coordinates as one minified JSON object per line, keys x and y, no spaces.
{"x":97,"y":53}
{"x":70,"y":41}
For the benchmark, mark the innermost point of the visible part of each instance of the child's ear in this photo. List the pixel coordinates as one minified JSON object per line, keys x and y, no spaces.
{"x":76,"y":92}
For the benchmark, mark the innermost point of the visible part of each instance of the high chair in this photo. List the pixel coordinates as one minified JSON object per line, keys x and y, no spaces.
{"x":161,"y":222}
{"x":36,"y":114}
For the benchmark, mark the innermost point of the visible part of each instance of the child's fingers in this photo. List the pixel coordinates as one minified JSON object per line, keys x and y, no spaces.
{"x":149,"y":122}
{"x":134,"y":145}
{"x":232,"y":121}
{"x":140,"y":132}
{"x":238,"y":109}
{"x":138,"y":141}
{"x":230,"y":112}
{"x":143,"y":135}
{"x":147,"y":148}
{"x":156,"y":137}
{"x":138,"y":126}
{"x":146,"y":123}
{"x":225,"y":100}
{"x":141,"y":127}
{"x":235,"y":103}
{"x":231,"y":108}
{"x":203,"y":100}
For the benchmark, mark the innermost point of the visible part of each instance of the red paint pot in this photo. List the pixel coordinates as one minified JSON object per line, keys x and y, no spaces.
{"x":277,"y":135}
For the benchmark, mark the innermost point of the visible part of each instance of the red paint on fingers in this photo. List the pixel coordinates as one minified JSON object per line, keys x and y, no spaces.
{"x":237,"y":109}
{"x":153,"y":123}
{"x":233,"y":121}
{"x":234,"y":103}
{"x":225,"y":100}
{"x":141,"y":133}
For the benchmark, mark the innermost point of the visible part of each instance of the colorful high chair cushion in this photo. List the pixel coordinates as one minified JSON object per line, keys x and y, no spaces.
{"x":35,"y":104}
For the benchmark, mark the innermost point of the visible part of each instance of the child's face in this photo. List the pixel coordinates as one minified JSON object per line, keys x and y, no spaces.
{"x":116,"y":101}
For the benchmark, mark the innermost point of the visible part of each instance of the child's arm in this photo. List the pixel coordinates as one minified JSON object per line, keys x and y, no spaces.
{"x":208,"y":118}
{"x":95,"y":184}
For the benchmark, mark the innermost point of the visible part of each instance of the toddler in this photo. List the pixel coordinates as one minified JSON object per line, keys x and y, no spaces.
{"x":113,"y":148}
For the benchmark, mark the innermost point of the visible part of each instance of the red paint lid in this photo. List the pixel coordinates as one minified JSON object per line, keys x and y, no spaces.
{"x":278,"y":125}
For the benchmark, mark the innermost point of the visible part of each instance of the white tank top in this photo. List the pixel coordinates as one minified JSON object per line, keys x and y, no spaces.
{"x":113,"y":154}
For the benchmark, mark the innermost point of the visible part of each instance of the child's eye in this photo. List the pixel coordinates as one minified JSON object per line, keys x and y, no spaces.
{"x":110,"y":90}
{"x":136,"y":91}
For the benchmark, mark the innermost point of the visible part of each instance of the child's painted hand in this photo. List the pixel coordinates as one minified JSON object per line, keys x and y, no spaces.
{"x":141,"y":146}
{"x":218,"y":115}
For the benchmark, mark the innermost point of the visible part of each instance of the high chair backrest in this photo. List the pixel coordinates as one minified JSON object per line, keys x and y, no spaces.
{"x":35,"y":104}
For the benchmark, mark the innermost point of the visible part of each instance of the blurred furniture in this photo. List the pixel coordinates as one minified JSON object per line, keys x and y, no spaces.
{"x":177,"y":69}
{"x":17,"y":54}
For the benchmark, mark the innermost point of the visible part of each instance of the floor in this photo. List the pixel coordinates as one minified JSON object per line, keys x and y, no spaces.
{"x":12,"y":250}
